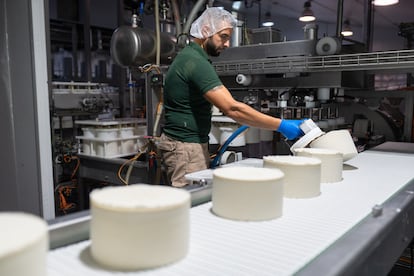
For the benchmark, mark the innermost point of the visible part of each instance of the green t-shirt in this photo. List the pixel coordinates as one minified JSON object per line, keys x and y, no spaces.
{"x":187,"y":112}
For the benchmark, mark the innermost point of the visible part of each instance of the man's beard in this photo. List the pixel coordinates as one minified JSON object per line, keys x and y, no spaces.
{"x":211,"y":49}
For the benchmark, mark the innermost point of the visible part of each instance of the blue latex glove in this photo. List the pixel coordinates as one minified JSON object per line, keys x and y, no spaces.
{"x":290,"y":128}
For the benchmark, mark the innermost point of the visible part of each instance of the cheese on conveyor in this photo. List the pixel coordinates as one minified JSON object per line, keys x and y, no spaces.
{"x":302,"y":174}
{"x":247,"y":193}
{"x":331,"y":162}
{"x":23,"y":244}
{"x":282,"y":246}
{"x":139,"y":226}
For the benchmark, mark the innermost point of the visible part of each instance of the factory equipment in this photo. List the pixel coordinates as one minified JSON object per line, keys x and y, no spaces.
{"x":288,"y":79}
{"x":333,"y":252}
{"x":75,"y":100}
{"x":85,"y":98}
{"x":361,"y":233}
{"x":112,"y":138}
{"x":72,"y":101}
{"x":104,"y":123}
{"x":135,"y":45}
{"x":310,"y":79}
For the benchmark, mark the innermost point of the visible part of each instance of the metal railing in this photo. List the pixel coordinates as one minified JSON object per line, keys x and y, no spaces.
{"x":401,"y":59}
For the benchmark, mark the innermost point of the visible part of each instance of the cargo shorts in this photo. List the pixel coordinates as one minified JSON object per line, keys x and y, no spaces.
{"x":181,"y":158}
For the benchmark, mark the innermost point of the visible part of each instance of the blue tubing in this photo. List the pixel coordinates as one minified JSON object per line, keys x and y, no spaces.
{"x":216,"y":160}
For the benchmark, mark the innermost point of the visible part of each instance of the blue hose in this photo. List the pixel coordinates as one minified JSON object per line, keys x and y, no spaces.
{"x":216,"y":160}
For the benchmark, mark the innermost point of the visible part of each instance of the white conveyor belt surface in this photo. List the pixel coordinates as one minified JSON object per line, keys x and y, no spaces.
{"x":278,"y":247}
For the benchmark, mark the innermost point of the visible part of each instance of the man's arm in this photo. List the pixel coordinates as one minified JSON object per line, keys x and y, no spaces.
{"x":240,"y":112}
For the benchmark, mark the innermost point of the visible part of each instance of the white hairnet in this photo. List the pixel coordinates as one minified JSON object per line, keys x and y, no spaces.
{"x":212,"y":21}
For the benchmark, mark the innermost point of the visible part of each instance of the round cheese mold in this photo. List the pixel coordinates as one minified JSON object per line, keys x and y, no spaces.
{"x":302,"y":174}
{"x":24,"y":242}
{"x":331,"y":166}
{"x":247,"y":193}
{"x":139,"y":226}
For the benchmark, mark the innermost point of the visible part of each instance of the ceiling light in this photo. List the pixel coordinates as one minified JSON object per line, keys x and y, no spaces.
{"x":346,"y":30}
{"x":384,"y":2}
{"x":307,"y":14}
{"x":268,"y":22}
{"x":236,"y":5}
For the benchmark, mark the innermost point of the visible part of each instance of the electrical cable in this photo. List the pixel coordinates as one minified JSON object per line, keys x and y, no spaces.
{"x":61,"y":191}
{"x":75,"y":170}
{"x":148,"y":67}
{"x":121,"y":168}
{"x":129,"y":171}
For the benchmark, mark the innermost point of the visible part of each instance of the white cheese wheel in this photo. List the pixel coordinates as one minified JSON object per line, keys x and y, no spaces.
{"x":24,"y":242}
{"x":139,"y":226}
{"x":339,"y":140}
{"x":331,"y":167}
{"x":302,"y":174}
{"x":247,"y":193}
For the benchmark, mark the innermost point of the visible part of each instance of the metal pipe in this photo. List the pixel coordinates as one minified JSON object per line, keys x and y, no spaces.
{"x":176,"y":14}
{"x":192,"y":15}
{"x":87,"y":40}
{"x":368,"y":26}
{"x":157,"y":34}
{"x":339,"y":19}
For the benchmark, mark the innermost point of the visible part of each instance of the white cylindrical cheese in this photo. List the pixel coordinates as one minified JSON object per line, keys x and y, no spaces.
{"x":24,"y":242}
{"x":302,"y":174}
{"x":247,"y":193}
{"x":139,"y":226}
{"x":340,"y":140}
{"x":331,"y":167}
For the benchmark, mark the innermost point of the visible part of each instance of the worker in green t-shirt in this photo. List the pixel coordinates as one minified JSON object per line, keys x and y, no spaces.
{"x":192,"y":86}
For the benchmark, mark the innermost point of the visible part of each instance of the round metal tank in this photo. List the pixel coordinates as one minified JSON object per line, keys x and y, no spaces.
{"x":137,"y":46}
{"x":311,"y":31}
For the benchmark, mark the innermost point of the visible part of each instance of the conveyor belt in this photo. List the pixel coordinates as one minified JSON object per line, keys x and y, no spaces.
{"x":279,"y":247}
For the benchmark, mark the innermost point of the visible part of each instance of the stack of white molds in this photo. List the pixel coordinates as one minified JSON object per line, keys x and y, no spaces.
{"x":247,"y":193}
{"x":24,"y":242}
{"x":302,"y":174}
{"x":112,"y":138}
{"x":139,"y":226}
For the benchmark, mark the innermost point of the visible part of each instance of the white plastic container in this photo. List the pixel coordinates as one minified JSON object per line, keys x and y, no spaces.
{"x":106,"y":133}
{"x":108,"y":145}
{"x":88,"y":146}
{"x":214,"y":135}
{"x":88,"y":132}
{"x":323,"y":94}
{"x":226,"y":132}
{"x":129,"y":145}
{"x":107,"y":149}
{"x":252,"y":135}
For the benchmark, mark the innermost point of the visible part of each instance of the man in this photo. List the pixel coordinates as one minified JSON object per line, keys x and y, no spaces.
{"x":191,"y":88}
